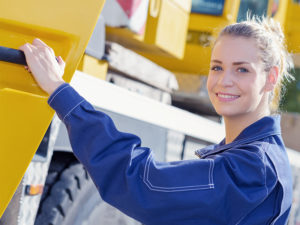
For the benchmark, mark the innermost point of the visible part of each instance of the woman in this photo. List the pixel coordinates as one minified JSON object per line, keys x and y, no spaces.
{"x":246,"y":179}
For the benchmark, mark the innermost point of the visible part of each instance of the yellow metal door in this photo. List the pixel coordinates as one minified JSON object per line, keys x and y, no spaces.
{"x":24,"y":114}
{"x":202,"y":29}
{"x":165,"y":30}
{"x":292,"y":26}
{"x":288,"y":14}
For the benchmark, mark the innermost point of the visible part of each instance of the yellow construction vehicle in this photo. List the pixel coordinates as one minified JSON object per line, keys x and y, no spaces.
{"x":156,"y":49}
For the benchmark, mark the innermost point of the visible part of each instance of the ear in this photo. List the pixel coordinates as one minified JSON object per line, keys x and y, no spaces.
{"x":272,"y":78}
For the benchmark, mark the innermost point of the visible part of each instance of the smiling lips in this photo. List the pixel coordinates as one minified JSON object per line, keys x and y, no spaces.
{"x":226,"y":97}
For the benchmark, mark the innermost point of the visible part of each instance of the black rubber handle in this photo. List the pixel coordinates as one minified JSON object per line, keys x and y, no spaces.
{"x":12,"y":55}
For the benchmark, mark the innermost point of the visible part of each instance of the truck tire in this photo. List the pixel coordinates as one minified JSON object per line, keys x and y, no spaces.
{"x":71,"y":198}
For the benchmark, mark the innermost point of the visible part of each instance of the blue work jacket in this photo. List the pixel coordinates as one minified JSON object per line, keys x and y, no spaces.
{"x":248,"y":181}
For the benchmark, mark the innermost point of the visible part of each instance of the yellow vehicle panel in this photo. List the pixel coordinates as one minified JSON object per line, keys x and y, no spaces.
{"x":292,"y":26}
{"x":288,"y":14}
{"x":165,"y":30}
{"x":25,"y":116}
{"x":201,"y":32}
{"x":94,"y":67}
{"x":278,"y":10}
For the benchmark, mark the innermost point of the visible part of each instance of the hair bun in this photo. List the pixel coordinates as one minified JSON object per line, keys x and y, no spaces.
{"x":274,"y":28}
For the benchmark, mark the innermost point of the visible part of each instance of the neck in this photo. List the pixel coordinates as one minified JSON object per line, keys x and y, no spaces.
{"x":236,"y":124}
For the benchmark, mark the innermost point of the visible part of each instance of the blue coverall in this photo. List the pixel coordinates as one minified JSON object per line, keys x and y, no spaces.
{"x":248,"y":181}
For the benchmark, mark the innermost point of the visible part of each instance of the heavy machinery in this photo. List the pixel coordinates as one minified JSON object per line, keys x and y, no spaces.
{"x":143,"y":56}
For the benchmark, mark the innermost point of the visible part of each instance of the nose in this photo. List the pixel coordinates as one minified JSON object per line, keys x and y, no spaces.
{"x":226,"y":78}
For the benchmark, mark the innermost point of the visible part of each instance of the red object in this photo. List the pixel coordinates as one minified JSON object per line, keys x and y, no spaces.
{"x":129,"y":6}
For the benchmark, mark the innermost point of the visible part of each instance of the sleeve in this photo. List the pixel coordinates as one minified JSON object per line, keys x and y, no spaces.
{"x":214,"y":190}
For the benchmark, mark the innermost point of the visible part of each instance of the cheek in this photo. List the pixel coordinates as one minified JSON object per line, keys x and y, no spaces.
{"x":210,"y":86}
{"x":210,"y":83}
{"x":251,"y":87}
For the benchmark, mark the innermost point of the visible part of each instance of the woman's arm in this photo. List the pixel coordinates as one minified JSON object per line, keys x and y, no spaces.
{"x":209,"y":191}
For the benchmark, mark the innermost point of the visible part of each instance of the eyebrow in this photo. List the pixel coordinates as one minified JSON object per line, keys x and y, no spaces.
{"x":216,"y":61}
{"x":235,"y":63}
{"x":239,"y":63}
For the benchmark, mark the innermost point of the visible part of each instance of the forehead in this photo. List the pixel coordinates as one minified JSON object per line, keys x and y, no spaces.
{"x":235,"y":49}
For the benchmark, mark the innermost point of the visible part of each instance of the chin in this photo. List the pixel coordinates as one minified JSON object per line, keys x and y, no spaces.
{"x":228,"y":112}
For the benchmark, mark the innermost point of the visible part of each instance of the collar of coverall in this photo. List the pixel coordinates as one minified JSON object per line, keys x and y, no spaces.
{"x":267,"y":126}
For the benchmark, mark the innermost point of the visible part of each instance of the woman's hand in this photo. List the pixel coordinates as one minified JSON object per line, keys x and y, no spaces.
{"x":46,"y":69}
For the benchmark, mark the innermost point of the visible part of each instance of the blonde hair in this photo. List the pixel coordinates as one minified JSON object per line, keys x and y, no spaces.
{"x":270,"y":40}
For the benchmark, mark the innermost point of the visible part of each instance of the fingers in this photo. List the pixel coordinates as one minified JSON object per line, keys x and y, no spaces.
{"x":37,"y":51}
{"x":38,"y":42}
{"x":46,"y":69}
{"x":26,"y":48}
{"x":39,"y":47}
{"x":28,"y":51}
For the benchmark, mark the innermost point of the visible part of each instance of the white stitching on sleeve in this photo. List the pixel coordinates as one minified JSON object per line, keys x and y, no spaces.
{"x":152,"y":187}
{"x":57,"y":94}
{"x":265,"y":167}
{"x":72,"y":109}
{"x":211,"y":169}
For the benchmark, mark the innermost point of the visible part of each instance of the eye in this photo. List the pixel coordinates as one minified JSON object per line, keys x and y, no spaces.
{"x":242,"y":70}
{"x":216,"y":68}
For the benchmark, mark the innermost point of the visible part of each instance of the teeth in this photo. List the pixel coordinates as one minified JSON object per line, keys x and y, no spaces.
{"x":228,"y":96}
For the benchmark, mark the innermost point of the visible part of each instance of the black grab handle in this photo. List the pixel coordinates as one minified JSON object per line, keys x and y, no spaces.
{"x":12,"y":55}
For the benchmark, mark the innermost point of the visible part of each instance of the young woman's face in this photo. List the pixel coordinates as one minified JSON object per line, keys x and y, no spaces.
{"x":237,"y":79}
